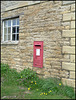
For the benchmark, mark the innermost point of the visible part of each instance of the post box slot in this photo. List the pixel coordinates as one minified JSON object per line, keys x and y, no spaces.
{"x":37,"y":45}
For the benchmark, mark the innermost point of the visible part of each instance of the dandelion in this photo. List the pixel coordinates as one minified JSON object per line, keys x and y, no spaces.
{"x":21,"y":76}
{"x":35,"y":83}
{"x":59,"y":83}
{"x":41,"y":93}
{"x":49,"y":91}
{"x":46,"y":93}
{"x":31,"y":81}
{"x":28,"y":88}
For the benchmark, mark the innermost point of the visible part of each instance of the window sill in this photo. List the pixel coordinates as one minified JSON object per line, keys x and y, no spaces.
{"x":9,"y":42}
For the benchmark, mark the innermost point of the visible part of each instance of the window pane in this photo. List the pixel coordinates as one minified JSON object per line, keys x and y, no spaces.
{"x":5,"y":30}
{"x":13,"y":29}
{"x":18,"y":21}
{"x":8,"y":37}
{"x":9,"y":30}
{"x":17,"y":36}
{"x":5,"y":23}
{"x":17,"y":29}
{"x":5,"y":37}
{"x":13,"y":36}
{"x":9,"y":22}
{"x":14,"y":22}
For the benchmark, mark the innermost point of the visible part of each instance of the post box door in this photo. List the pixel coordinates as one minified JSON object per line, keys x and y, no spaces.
{"x":38,"y":54}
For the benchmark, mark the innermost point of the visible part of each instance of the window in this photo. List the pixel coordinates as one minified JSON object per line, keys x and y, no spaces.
{"x":11,"y":30}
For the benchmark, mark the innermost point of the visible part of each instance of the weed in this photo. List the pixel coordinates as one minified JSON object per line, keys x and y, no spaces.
{"x":28,"y":78}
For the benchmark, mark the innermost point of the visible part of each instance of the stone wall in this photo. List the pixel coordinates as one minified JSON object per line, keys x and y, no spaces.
{"x":69,"y":50}
{"x":52,"y":22}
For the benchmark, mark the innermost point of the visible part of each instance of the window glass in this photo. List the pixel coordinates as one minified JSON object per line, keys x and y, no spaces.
{"x":5,"y":23}
{"x":17,"y":21}
{"x":5,"y":37}
{"x":9,"y":23}
{"x":18,"y":29}
{"x":5,"y":30}
{"x":14,"y":22}
{"x":17,"y":36}
{"x":13,"y":36}
{"x":9,"y":30}
{"x":8,"y":37}
{"x":13,"y":29}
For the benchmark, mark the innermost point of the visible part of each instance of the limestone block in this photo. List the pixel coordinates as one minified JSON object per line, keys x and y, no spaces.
{"x":51,"y":59}
{"x":40,"y":71}
{"x":13,"y":62}
{"x":72,"y":24}
{"x":68,"y":49}
{"x":73,"y":7}
{"x":64,"y":73}
{"x":56,"y":67}
{"x":66,"y":56}
{"x":47,"y":62}
{"x":47,"y":73}
{"x":47,"y":66}
{"x":68,"y":33}
{"x":72,"y":41}
{"x":69,"y":82}
{"x":40,"y":76}
{"x":68,"y":66}
{"x":68,"y":16}
{"x":55,"y":74}
{"x":72,"y":74}
{"x":72,"y":58}
{"x":68,"y":2}
{"x":25,"y":64}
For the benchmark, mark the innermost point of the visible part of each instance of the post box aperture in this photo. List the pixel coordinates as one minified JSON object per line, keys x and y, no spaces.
{"x":38,"y":54}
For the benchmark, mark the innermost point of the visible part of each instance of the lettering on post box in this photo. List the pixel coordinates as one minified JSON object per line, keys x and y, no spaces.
{"x":38,"y":54}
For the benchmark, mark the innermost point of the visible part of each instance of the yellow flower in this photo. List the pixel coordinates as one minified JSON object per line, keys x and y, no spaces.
{"x":59,"y":83}
{"x":28,"y":88}
{"x":21,"y":76}
{"x":46,"y":93}
{"x":49,"y":91}
{"x":35,"y":83}
{"x":31,"y":81}
{"x":41,"y":94}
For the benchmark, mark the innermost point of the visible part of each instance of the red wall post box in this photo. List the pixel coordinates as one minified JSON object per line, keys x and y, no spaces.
{"x":38,"y":54}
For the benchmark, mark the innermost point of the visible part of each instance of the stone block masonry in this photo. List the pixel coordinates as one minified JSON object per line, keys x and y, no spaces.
{"x":52,"y":22}
{"x":69,"y":50}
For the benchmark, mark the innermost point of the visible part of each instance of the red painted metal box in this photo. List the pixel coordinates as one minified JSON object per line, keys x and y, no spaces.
{"x":38,"y":54}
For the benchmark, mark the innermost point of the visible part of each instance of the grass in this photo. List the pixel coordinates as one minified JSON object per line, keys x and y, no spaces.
{"x":15,"y":85}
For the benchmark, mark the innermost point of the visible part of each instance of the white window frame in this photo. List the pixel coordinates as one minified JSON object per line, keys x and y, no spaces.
{"x":11,"y":30}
